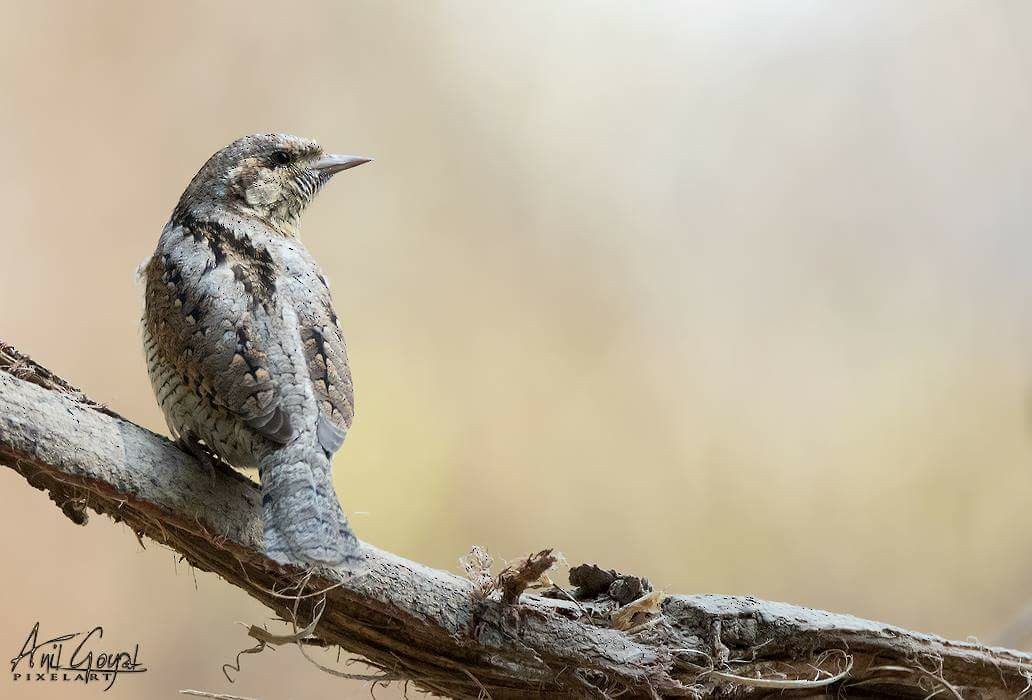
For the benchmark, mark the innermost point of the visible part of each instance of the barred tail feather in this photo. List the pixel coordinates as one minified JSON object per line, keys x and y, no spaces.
{"x":304,"y":523}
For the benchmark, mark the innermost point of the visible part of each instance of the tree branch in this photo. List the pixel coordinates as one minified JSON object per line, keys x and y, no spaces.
{"x":611,"y":635}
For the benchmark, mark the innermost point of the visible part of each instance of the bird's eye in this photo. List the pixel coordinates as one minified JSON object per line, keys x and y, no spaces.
{"x":280,"y":157}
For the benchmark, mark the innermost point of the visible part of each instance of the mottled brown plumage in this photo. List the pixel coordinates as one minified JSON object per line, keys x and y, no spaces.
{"x":243,"y":346}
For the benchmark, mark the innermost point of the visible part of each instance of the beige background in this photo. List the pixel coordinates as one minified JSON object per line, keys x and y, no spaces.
{"x":733,"y":295}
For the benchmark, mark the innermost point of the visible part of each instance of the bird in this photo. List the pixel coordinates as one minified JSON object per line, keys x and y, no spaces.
{"x":243,"y":346}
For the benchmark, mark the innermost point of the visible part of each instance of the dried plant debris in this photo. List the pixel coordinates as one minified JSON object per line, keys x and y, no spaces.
{"x":523,"y":573}
{"x":516,"y":577}
{"x":619,"y":600}
{"x":637,"y":611}
{"x":74,"y":510}
{"x":477,"y":565}
{"x":593,"y":582}
{"x":778,"y":680}
{"x":23,"y":367}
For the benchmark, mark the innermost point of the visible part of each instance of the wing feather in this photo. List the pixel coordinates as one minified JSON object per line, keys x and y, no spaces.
{"x":327,"y":359}
{"x":210,"y":326}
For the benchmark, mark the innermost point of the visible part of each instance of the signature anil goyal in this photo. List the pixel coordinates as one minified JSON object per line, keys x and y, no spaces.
{"x":73,"y":657}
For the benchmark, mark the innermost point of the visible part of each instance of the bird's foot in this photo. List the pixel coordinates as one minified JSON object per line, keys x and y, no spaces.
{"x":202,"y":453}
{"x":353,"y":566}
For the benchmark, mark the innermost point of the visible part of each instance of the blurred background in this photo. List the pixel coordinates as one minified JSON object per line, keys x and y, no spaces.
{"x":732,"y":295}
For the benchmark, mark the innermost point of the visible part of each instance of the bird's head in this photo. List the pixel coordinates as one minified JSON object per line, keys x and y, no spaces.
{"x":272,"y":177}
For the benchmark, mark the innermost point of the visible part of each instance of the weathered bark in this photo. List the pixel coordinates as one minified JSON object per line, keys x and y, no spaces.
{"x":465,"y":638}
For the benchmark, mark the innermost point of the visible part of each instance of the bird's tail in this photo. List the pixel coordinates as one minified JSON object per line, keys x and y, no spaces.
{"x":304,"y":523}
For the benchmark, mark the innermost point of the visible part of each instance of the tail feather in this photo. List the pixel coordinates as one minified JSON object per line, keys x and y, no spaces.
{"x":304,"y":523}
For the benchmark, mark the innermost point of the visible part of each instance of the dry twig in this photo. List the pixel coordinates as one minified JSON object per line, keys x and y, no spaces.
{"x":426,"y":626}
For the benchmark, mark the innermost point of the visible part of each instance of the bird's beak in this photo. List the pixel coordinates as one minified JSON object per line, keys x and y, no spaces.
{"x":331,"y":164}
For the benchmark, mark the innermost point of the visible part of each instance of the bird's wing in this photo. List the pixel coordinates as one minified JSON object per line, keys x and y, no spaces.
{"x":210,"y":313}
{"x":327,"y":358}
